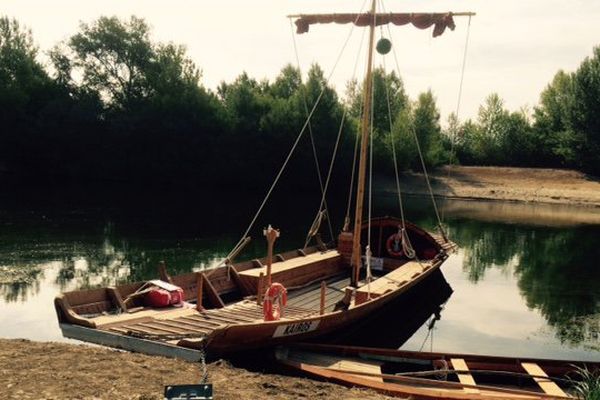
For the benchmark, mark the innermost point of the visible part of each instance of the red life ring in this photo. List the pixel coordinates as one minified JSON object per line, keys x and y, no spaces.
{"x":394,"y":245}
{"x":277,"y":293}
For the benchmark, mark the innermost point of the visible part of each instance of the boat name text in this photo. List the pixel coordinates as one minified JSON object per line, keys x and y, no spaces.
{"x":296,"y":329}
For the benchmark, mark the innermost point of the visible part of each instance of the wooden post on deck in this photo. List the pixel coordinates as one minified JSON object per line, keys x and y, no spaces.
{"x":272,"y":235}
{"x":260,"y":288}
{"x":199,"y":287}
{"x":323,"y":291}
{"x":162,"y":272}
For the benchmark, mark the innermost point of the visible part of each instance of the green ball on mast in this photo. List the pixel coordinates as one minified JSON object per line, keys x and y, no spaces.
{"x":383,"y":46}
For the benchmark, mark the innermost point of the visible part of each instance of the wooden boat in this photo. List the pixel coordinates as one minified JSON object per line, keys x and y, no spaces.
{"x":328,"y":287}
{"x":231,"y":317}
{"x":423,"y":375}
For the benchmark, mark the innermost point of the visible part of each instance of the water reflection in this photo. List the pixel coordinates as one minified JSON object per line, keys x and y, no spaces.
{"x":555,"y":268}
{"x":486,"y":245}
{"x":22,"y":290}
{"x":559,"y":275}
{"x":552,"y":267}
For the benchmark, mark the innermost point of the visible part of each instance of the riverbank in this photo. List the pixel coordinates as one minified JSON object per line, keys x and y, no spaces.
{"x":531,"y":185}
{"x":34,"y":370}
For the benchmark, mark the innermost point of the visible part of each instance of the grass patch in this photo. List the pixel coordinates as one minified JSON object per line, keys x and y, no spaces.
{"x":587,"y":385}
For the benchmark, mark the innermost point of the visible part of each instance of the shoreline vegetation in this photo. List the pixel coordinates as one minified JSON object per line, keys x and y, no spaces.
{"x":112,"y":104}
{"x":546,"y":197}
{"x":70,"y":371}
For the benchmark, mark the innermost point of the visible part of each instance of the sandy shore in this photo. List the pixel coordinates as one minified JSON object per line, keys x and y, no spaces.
{"x":35,"y":370}
{"x":507,"y":184}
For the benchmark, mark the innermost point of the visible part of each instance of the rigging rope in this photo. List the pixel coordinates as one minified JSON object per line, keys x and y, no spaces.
{"x":437,"y":214}
{"x":294,"y":146}
{"x":462,"y":73}
{"x":310,"y":132}
{"x":319,"y":216}
{"x":406,"y":244}
{"x":355,"y":157}
{"x":414,"y":132}
{"x":458,"y":100}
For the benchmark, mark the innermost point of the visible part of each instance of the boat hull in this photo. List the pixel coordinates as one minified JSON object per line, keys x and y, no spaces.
{"x":250,"y":336}
{"x":363,"y":367}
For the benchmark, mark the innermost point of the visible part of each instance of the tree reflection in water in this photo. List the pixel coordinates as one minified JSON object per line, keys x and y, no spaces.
{"x":21,"y":290}
{"x":556,"y":270}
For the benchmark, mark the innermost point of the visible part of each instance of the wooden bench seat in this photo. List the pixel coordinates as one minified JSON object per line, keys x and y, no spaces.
{"x":465,"y":377}
{"x":391,"y":281}
{"x":547,"y":385}
{"x":298,"y":270}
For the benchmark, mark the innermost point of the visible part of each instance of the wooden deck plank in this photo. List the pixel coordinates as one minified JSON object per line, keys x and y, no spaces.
{"x":343,"y":364}
{"x":155,"y":325}
{"x":197,"y":323}
{"x":160,"y":313}
{"x":144,"y":330}
{"x":224,"y":316}
{"x":292,"y":263}
{"x":179,"y":325}
{"x":221,"y":319}
{"x":548,"y":386}
{"x":333,"y":284}
{"x":199,"y":319}
{"x":229,"y":315}
{"x":391,"y":281}
{"x":464,"y":377}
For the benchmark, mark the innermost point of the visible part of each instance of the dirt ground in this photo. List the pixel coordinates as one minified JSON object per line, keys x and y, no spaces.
{"x":35,"y":370}
{"x":512,"y":184}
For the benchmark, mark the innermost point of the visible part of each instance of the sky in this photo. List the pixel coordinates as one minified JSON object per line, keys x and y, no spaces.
{"x":515,"y":46}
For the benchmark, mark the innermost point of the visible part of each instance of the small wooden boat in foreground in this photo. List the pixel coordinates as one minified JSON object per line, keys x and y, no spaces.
{"x":423,"y":375}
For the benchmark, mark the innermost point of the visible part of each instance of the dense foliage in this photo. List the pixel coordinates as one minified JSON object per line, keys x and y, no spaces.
{"x":111,"y":104}
{"x":563,"y":130}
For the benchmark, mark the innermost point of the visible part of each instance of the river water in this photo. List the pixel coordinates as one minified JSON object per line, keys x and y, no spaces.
{"x":525,"y":282}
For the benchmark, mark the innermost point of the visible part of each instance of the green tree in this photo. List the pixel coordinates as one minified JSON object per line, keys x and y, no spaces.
{"x":585,"y":116}
{"x":113,"y":58}
{"x":386,"y":86}
{"x":287,"y":82}
{"x":155,"y":111}
{"x":558,"y":143}
{"x":29,"y":105}
{"x":428,"y":130}
{"x":498,"y":137}
{"x":19,"y":69}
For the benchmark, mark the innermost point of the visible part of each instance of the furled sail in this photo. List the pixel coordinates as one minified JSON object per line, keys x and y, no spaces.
{"x":440,"y":21}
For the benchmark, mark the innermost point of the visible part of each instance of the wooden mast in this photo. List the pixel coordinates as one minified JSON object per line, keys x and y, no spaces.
{"x":362,"y":168}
